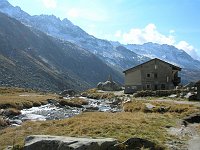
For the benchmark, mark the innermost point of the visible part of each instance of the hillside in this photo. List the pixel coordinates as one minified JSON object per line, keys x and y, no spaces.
{"x":116,"y":55}
{"x":30,"y":58}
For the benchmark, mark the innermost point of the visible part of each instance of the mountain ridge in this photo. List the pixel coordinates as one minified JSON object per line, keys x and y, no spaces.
{"x":114,"y":54}
{"x":30,"y":58}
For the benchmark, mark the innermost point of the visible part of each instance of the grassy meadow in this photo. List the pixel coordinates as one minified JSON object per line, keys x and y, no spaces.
{"x":133,"y":121}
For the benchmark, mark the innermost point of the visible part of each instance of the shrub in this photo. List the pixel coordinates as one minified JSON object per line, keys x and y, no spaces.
{"x":158,"y":93}
{"x":36,"y":104}
{"x":27,"y":104}
{"x":144,"y":93}
{"x":3,"y":122}
{"x":69,"y":103}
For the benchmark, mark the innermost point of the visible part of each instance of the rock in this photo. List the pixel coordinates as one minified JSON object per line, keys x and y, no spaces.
{"x":188,"y":95}
{"x":194,"y":118}
{"x":137,"y":144}
{"x":91,"y":109}
{"x":54,"y":102}
{"x":16,"y":121}
{"x":47,"y":142}
{"x":192,"y":97}
{"x":1,"y":111}
{"x":109,"y":85}
{"x":66,"y":93}
{"x":173,"y":96}
{"x":9,"y":148}
{"x":11,"y":112}
{"x":149,"y":107}
{"x":4,"y":122}
{"x":163,"y":109}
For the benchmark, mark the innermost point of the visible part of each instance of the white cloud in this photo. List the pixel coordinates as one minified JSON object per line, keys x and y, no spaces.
{"x":151,"y":34}
{"x":147,"y":34}
{"x":50,"y":3}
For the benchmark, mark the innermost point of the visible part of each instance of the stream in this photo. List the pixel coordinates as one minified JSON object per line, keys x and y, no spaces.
{"x":53,"y":111}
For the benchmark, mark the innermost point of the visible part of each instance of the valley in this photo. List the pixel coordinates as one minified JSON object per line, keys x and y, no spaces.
{"x":63,"y":88}
{"x":134,"y":117}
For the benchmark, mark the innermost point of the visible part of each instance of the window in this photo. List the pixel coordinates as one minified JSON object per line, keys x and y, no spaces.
{"x":156,"y":87}
{"x":155,"y":75}
{"x":148,"y":75}
{"x":167,"y":79}
{"x":156,"y":67}
{"x":148,"y":86}
{"x":162,"y":86}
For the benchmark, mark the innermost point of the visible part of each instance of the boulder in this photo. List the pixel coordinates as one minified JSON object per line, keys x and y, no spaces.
{"x":192,"y":97}
{"x":193,"y":118}
{"x":68,"y":92}
{"x":47,"y":142}
{"x":91,"y":109}
{"x":109,"y":85}
{"x":149,"y":107}
{"x":137,"y":144}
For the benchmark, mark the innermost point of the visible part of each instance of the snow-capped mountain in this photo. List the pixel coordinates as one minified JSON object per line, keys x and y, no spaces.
{"x":65,"y":30}
{"x":165,"y":52}
{"x":114,"y":54}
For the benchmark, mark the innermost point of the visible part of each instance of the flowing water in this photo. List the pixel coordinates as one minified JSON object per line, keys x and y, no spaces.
{"x":53,"y":111}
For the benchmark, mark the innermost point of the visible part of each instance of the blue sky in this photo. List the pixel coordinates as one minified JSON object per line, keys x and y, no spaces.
{"x":174,"y":22}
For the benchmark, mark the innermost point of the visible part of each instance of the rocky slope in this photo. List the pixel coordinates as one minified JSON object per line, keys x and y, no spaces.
{"x":64,"y":29}
{"x":30,"y":58}
{"x":165,"y":52}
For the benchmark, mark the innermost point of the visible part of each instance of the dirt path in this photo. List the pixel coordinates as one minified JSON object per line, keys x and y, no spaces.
{"x":194,"y":143}
{"x":176,"y":101}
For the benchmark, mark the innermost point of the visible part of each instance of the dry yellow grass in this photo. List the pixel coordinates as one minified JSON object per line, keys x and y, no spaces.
{"x":94,"y":94}
{"x":123,"y":125}
{"x":171,"y":107}
{"x":117,"y":125}
{"x":22,"y":98}
{"x":73,"y":102}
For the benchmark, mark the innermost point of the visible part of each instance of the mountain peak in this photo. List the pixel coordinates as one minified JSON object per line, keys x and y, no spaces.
{"x":4,"y":3}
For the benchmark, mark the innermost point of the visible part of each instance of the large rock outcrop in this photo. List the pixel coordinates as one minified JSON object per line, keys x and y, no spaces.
{"x":47,"y":142}
{"x":109,"y":85}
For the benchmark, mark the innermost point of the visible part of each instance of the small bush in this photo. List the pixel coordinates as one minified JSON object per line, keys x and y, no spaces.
{"x":69,"y":103}
{"x":145,"y":93}
{"x":36,"y":104}
{"x":158,"y":93}
{"x":27,"y":104}
{"x":3,"y":122}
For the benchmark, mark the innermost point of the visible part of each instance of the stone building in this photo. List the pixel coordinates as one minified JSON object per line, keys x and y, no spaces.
{"x":155,"y":74}
{"x":198,"y":90}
